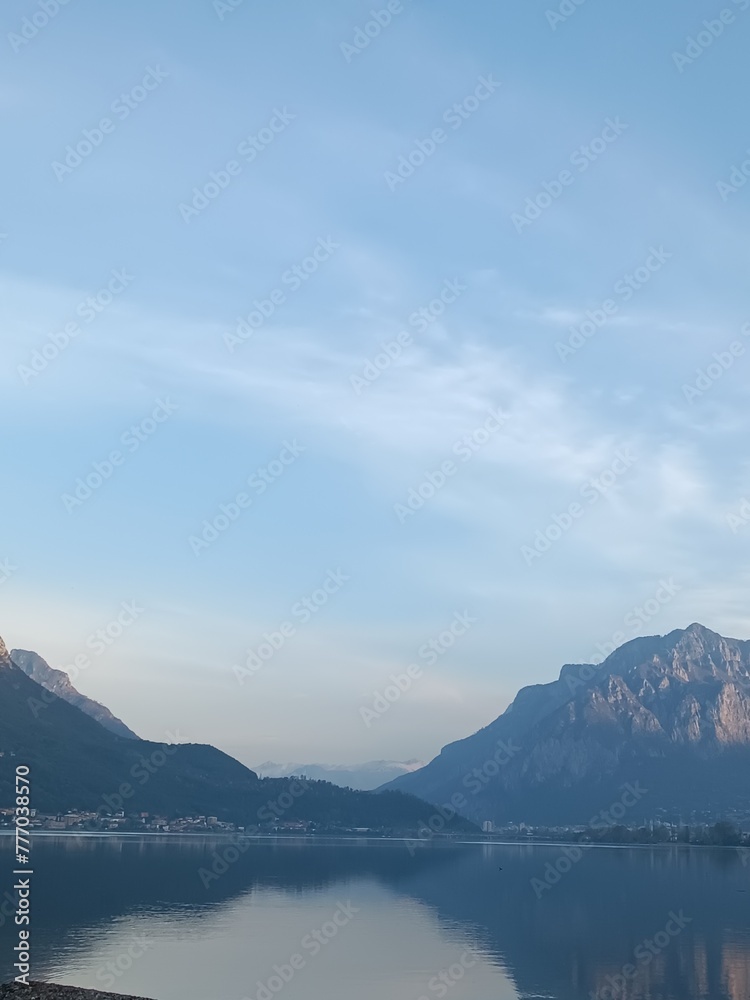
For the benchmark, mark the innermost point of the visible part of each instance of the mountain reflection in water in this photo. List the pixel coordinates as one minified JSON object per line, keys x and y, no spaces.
{"x":436,"y":921}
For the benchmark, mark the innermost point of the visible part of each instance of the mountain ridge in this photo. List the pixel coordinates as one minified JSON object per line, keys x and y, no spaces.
{"x":364,"y":777}
{"x":57,"y":682}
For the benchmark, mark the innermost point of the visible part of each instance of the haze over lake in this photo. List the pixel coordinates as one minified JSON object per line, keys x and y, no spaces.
{"x":375,"y":920}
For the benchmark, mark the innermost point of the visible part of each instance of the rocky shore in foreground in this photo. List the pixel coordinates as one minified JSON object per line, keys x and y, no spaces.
{"x":49,"y":991}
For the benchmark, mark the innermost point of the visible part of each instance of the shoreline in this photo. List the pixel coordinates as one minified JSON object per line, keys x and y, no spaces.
{"x":312,"y":839}
{"x":51,"y":991}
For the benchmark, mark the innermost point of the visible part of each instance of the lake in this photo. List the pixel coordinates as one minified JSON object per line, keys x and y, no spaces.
{"x":337,"y":920}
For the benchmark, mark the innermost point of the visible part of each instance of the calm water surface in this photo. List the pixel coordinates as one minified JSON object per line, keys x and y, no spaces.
{"x":372,"y":921}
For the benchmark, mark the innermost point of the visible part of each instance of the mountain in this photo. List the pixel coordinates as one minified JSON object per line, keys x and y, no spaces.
{"x":661,"y":727}
{"x":364,"y":777}
{"x":58,"y":682}
{"x":77,"y":763}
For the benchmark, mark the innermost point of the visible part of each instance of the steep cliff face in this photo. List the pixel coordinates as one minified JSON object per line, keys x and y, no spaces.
{"x":58,"y":682}
{"x":691,"y":689}
{"x":672,"y":712}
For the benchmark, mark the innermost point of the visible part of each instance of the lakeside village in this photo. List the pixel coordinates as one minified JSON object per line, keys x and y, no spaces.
{"x":697,"y":831}
{"x":83,"y":821}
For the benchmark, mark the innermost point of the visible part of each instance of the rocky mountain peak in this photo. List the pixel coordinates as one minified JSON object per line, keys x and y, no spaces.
{"x":684,"y":656}
{"x":672,"y":711}
{"x":698,"y":629}
{"x":4,"y":654}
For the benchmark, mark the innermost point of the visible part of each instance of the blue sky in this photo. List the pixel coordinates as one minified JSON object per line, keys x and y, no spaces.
{"x":620,"y":145}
